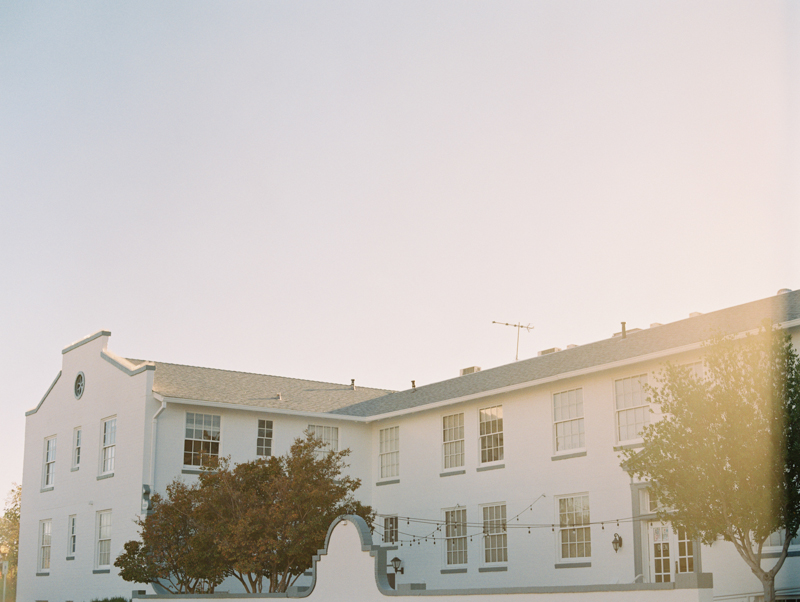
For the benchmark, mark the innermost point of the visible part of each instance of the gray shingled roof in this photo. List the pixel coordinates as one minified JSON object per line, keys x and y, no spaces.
{"x":780,"y":308}
{"x":257,"y":390}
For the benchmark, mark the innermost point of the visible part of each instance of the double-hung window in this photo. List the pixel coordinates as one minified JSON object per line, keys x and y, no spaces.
{"x":632,"y":409}
{"x":495,"y":538}
{"x":453,"y":441}
{"x":389,"y":451}
{"x":71,"y":536}
{"x":568,"y":420}
{"x":45,"y":540}
{"x":455,"y":532}
{"x":48,"y":479}
{"x":104,"y":539}
{"x":574,"y":532}
{"x":201,"y":445}
{"x":491,"y":434}
{"x":390,"y":529}
{"x":264,"y":438}
{"x":77,"y":435}
{"x":329,"y":435}
{"x":109,"y":446}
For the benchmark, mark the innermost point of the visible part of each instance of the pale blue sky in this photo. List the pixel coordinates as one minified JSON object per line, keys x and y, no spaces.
{"x":357,"y":189}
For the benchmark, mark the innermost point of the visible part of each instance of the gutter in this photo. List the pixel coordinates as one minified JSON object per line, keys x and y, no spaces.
{"x":153,"y":435}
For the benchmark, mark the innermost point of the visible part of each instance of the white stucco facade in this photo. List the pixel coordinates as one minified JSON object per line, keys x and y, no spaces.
{"x":541,"y":459}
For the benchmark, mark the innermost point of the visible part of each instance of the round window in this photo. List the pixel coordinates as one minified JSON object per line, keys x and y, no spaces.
{"x":80,"y":383}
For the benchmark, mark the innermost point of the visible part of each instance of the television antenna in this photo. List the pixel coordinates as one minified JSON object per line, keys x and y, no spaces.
{"x":519,"y":326}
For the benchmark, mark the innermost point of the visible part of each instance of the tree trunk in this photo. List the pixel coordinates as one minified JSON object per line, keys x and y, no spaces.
{"x":769,"y":588}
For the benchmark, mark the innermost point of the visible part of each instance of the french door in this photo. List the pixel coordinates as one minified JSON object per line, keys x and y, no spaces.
{"x":671,"y":552}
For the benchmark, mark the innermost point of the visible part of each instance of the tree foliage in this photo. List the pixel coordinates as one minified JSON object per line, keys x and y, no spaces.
{"x":260,"y":522}
{"x":177,"y":549}
{"x":9,"y":537}
{"x":724,"y":461}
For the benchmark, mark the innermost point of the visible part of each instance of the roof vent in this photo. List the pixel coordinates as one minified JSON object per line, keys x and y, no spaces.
{"x":656,"y":324}
{"x":414,"y":385}
{"x":470,"y":370}
{"x":783,"y":291}
{"x":571,"y":346}
{"x":279,"y":397}
{"x":353,"y":383}
{"x":695,"y":314}
{"x":549,"y":351}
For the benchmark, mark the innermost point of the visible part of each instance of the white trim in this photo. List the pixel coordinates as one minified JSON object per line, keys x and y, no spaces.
{"x":127,"y":367}
{"x":265,"y":410}
{"x":84,"y":340}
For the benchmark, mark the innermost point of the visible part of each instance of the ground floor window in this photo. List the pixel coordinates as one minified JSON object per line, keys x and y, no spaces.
{"x":455,"y":531}
{"x":390,"y":529}
{"x":574,"y":534}
{"x":45,"y":538}
{"x":104,"y":538}
{"x":495,"y":538}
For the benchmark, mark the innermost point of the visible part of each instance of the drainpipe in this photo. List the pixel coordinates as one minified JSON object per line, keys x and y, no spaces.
{"x":153,"y":436}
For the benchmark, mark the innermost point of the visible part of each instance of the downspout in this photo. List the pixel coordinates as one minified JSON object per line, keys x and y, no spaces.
{"x":153,"y":436}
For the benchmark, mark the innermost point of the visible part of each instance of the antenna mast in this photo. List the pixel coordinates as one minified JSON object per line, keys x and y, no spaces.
{"x":519,"y":327}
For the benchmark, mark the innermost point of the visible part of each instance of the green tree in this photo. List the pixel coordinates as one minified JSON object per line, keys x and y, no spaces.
{"x":177,"y":550}
{"x":271,"y":515}
{"x":724,"y":461}
{"x":9,"y":538}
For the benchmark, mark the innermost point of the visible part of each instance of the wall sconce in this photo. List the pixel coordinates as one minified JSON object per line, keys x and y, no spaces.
{"x":616,"y":542}
{"x":396,"y":565}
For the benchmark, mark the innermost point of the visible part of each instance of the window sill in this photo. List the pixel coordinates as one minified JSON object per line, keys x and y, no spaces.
{"x":392,"y":482}
{"x":75,"y":469}
{"x":567,"y":456}
{"x":492,"y":569}
{"x":70,"y":558}
{"x":452,"y":473}
{"x":452,"y":571}
{"x":100,"y":571}
{"x":624,"y":446}
{"x":191,"y":471}
{"x":47,"y":574}
{"x":44,"y":489}
{"x":490,"y":467}
{"x":105,"y":476}
{"x":573,"y":565}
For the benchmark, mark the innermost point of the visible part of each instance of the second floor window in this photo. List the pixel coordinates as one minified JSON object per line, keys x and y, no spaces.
{"x":390,"y":451}
{"x":491,"y":425}
{"x":453,"y":440}
{"x":568,"y":419}
{"x":109,"y":445}
{"x":633,"y":411}
{"x":49,"y":462}
{"x":329,"y":435}
{"x":201,"y":446}
{"x":264,"y":439}
{"x":76,"y":447}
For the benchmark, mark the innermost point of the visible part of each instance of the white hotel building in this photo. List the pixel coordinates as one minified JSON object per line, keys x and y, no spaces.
{"x":518,"y":466}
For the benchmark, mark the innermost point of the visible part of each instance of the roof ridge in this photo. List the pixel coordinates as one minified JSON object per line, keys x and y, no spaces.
{"x":308,"y":380}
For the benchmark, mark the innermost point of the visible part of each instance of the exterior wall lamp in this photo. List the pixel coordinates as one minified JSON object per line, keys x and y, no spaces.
{"x":396,"y":562}
{"x":616,"y":542}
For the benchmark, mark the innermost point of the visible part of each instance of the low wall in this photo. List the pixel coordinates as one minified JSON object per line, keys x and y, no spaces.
{"x":349,"y":568}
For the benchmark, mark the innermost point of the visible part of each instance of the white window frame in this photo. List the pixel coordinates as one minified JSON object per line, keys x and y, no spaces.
{"x":264,"y":438}
{"x":45,"y":554}
{"x":329,"y":435}
{"x":567,"y":521}
{"x":391,"y":529}
{"x":630,"y":410}
{"x":389,"y":451}
{"x":495,"y":533}
{"x":77,"y":436}
{"x":569,"y":416}
{"x":108,"y":445}
{"x":490,"y":437}
{"x":455,"y":533}
{"x":453,"y":441}
{"x":207,"y":442}
{"x":72,"y":535}
{"x":103,"y":540}
{"x":49,"y":464}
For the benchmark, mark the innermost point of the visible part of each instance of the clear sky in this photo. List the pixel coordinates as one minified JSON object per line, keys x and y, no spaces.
{"x":348,"y":190}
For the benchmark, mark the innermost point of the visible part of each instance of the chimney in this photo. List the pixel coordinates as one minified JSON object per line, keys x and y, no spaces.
{"x":353,"y":383}
{"x":624,"y":333}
